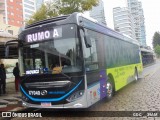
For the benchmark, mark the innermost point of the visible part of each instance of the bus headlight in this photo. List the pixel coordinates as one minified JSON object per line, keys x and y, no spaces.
{"x":24,"y":98}
{"x":75,"y":96}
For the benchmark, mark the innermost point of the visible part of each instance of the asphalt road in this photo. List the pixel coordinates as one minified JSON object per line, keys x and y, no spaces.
{"x":143,"y":95}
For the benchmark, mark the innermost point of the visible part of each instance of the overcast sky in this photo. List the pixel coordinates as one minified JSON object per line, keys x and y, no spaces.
{"x":151,"y":10}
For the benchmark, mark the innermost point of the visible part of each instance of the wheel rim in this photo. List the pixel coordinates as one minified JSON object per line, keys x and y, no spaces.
{"x":136,"y":76}
{"x":109,"y":89}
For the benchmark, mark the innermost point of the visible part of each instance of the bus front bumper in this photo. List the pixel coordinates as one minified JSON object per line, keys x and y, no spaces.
{"x":77,"y":104}
{"x":65,"y":106}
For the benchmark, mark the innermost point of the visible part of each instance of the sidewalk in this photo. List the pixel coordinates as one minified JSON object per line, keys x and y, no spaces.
{"x":11,"y":101}
{"x":10,"y":80}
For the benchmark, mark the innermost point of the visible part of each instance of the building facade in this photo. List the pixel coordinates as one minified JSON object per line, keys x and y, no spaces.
{"x":12,"y":12}
{"x":11,"y":29}
{"x":97,"y":13}
{"x":39,"y":3}
{"x":29,"y":8}
{"x":137,"y":12}
{"x":123,"y":21}
{"x":3,"y":10}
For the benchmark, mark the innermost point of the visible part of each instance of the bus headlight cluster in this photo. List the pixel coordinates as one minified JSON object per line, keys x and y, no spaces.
{"x":24,"y":98}
{"x":75,"y":96}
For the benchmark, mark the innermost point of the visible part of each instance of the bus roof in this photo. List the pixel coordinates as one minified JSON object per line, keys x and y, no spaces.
{"x":95,"y":25}
{"x":54,"y":19}
{"x":84,"y":21}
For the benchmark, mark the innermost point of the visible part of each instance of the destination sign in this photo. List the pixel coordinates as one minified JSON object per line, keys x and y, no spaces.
{"x":44,"y":35}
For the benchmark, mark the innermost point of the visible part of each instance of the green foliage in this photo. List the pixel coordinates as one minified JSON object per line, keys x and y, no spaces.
{"x":157,"y":50}
{"x":156,"y":39}
{"x":70,"y":6}
{"x":61,"y":7}
{"x":44,"y":12}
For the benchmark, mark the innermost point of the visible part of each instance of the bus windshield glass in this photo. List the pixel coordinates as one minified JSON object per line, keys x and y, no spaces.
{"x":45,"y":57}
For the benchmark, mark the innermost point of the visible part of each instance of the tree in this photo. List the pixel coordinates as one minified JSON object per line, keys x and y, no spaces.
{"x":61,"y":7}
{"x":157,"y":50}
{"x":70,"y":6}
{"x":44,"y":12}
{"x":156,"y":39}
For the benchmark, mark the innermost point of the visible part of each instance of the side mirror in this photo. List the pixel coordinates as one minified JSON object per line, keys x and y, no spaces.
{"x":88,"y":41}
{"x":6,"y":51}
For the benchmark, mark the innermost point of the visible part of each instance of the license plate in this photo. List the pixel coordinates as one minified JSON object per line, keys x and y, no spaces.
{"x":46,"y":104}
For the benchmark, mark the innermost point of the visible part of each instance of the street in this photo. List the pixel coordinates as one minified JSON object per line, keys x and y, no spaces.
{"x":137,"y":96}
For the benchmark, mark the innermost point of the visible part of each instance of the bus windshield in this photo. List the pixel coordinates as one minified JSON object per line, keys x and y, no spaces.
{"x":64,"y":54}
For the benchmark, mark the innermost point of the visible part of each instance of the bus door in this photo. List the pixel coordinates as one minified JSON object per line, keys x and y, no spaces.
{"x":95,"y":81}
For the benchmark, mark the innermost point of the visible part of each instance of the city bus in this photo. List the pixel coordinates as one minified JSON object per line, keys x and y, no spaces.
{"x":73,"y":61}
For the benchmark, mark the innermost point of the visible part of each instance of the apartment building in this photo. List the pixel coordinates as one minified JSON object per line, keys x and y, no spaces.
{"x":12,"y":12}
{"x":29,"y":8}
{"x":136,"y":10}
{"x":98,"y":13}
{"x":123,"y":21}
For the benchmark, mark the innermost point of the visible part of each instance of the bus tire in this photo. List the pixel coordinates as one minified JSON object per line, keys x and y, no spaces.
{"x":136,"y":74}
{"x":110,"y":90}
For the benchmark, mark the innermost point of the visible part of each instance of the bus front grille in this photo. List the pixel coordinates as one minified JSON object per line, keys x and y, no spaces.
{"x":47,"y":84}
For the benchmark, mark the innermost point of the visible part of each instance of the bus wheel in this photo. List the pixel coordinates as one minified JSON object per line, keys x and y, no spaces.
{"x":136,"y":74}
{"x":110,"y":91}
